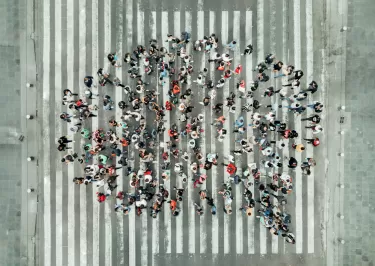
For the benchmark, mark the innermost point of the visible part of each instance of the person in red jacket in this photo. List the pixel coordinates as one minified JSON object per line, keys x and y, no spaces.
{"x":315,"y":142}
{"x":101,"y":197}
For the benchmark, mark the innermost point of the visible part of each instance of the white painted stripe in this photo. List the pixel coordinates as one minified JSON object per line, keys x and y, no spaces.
{"x":167,"y":184}
{"x":95,"y":125}
{"x":140,"y":26}
{"x":298,"y":181}
{"x":215,"y":220}
{"x":118,"y":97}
{"x":188,"y":21}
{"x":260,"y":55}
{"x":250,"y":156}
{"x":108,"y":207}
{"x":260,"y":29}
{"x":46,"y":134}
{"x":144,"y":237}
{"x":155,"y":222}
{"x":58,"y":91}
{"x":201,"y":95}
{"x":191,"y":217}
{"x":131,"y":216}
{"x":141,"y":40}
{"x":83,"y":189}
{"x":285,"y":151}
{"x":274,"y":100}
{"x":227,"y":125}
{"x":309,"y":150}
{"x":70,"y":83}
{"x":179,"y":219}
{"x":238,"y":197}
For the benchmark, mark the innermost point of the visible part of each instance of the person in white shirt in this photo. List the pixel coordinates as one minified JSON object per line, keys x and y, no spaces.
{"x":315,"y":128}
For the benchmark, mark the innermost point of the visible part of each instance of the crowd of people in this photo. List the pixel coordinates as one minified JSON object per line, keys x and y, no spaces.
{"x":148,"y":191}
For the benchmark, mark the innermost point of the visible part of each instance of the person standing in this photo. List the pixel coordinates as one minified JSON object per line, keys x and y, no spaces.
{"x":316,"y":128}
{"x":317,"y":106}
{"x":248,"y":50}
{"x":314,"y":118}
{"x":68,"y":92}
{"x":313,"y":87}
{"x":315,"y":142}
{"x":232,"y":45}
{"x":299,"y":147}
{"x":89,"y":81}
{"x":198,"y":209}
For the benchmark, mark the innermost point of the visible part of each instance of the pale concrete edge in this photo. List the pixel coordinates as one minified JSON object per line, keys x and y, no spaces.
{"x":30,"y":37}
{"x":334,"y":174}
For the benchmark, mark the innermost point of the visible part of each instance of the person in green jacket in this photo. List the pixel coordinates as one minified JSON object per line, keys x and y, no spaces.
{"x":85,"y":133}
{"x":103,"y":159}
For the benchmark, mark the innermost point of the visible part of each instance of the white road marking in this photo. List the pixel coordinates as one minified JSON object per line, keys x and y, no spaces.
{"x":238,"y":197}
{"x":58,"y":97}
{"x":108,"y":208}
{"x":70,"y":83}
{"x":250,"y":156}
{"x":179,"y":219}
{"x":227,"y":126}
{"x":131,"y":215}
{"x":83,"y":189}
{"x":95,"y":125}
{"x":167,"y":184}
{"x":155,"y":222}
{"x":46,"y":133}
{"x":274,"y":100}
{"x":285,"y":151}
{"x":188,"y":22}
{"x":260,"y":42}
{"x":201,"y":95}
{"x":309,"y":150}
{"x":118,"y":97}
{"x":297,"y":125}
{"x":215,"y":220}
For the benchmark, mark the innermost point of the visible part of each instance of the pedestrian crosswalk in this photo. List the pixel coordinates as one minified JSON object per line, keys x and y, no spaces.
{"x":77,"y":36}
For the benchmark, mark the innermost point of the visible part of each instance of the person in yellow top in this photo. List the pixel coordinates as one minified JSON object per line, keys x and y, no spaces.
{"x":298,"y":147}
{"x":246,"y":210}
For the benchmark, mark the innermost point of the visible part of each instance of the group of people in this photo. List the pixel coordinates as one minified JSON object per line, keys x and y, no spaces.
{"x":147,"y":191}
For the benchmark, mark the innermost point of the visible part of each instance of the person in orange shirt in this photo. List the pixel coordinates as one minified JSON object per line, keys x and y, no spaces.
{"x":173,"y":204}
{"x":218,"y":121}
{"x":299,"y":147}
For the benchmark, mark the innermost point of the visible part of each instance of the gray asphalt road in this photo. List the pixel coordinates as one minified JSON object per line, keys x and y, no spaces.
{"x":77,"y":230}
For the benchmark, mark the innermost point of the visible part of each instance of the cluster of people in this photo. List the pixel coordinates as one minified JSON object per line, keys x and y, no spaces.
{"x":147,"y":190}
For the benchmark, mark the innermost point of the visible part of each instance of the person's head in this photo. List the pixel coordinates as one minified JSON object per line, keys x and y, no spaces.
{"x":302,"y":148}
{"x":63,"y":160}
